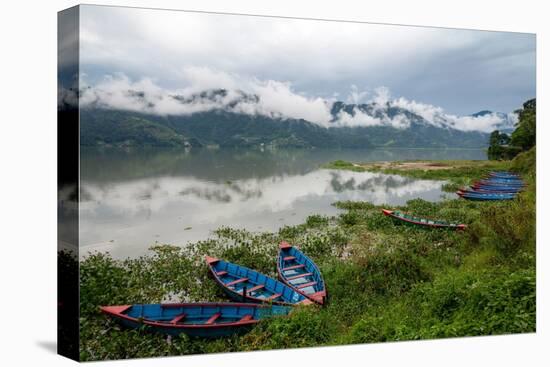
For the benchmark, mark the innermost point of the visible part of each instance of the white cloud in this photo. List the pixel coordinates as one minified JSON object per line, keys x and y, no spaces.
{"x":437,"y":117}
{"x":356,"y":96}
{"x":276,"y":99}
{"x":270,"y":98}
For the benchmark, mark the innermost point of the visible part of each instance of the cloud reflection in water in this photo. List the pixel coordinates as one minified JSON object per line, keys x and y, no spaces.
{"x":129,"y":216}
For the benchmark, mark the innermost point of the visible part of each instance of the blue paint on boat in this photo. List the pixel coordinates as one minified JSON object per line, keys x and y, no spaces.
{"x":501,"y":183}
{"x":486,"y":196}
{"x":300,"y":272}
{"x":246,"y":285}
{"x":504,"y":174}
{"x":206,"y":320}
{"x":485,"y":190}
{"x":502,"y":189}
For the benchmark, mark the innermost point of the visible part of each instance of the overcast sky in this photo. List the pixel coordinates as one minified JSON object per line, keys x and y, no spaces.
{"x":460,"y":71}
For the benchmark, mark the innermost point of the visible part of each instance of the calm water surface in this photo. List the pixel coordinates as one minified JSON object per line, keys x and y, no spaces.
{"x":132,"y":199}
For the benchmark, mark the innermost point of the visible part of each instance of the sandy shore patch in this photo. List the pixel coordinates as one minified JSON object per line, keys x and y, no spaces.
{"x":416,"y":165}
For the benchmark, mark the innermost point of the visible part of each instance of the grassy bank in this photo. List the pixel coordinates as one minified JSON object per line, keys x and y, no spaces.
{"x":386,"y":282}
{"x":458,"y":172}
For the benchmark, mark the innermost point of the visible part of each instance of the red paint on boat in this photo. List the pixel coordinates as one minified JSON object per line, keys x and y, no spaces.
{"x":319,"y":297}
{"x":211,"y":260}
{"x":114,"y":310}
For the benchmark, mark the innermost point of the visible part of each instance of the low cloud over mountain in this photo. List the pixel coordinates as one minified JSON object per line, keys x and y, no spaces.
{"x":210,"y":90}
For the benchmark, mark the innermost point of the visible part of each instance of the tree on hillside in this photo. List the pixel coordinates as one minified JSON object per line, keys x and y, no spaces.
{"x":498,"y":138}
{"x":503,"y":146}
{"x":525,"y":134}
{"x":498,"y":146}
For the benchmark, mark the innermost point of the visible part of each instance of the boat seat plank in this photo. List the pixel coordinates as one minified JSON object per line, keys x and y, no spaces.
{"x":236,"y":281}
{"x":178,"y":318}
{"x":305,"y":285}
{"x":221,"y":273}
{"x":246,"y":318}
{"x":288,"y":258}
{"x":213,"y":318}
{"x":274,"y":296}
{"x":299,"y":266}
{"x":302,"y":275}
{"x":254,"y":289}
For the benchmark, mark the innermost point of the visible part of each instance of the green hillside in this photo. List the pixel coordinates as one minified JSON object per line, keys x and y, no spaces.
{"x":226,"y":129}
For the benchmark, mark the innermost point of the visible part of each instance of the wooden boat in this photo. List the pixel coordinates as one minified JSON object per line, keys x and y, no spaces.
{"x":489,"y":190}
{"x":496,"y":193}
{"x":497,"y":188}
{"x":504,"y":174}
{"x":247,"y":285}
{"x":485,"y":196}
{"x":207,"y":320}
{"x":501,"y":183}
{"x":482,"y":191}
{"x":300,"y":273}
{"x":502,"y":178}
{"x":422,"y":221}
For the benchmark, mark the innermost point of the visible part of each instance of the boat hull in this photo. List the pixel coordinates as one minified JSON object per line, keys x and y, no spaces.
{"x":485,"y":197}
{"x":496,"y":189}
{"x":205,"y":320}
{"x":422,"y":222}
{"x":246,"y":285}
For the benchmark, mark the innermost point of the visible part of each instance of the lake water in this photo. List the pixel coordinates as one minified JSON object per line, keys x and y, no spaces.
{"x":132,"y":199}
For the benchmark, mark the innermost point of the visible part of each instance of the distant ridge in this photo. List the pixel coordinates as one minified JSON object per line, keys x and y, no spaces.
{"x":100,"y":126}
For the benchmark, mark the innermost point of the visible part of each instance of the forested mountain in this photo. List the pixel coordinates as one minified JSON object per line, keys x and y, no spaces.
{"x":100,"y":126}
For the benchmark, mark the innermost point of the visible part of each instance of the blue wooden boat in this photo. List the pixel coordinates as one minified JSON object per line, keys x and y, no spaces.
{"x":504,"y":174}
{"x":485,"y":196}
{"x":489,"y":189}
{"x":502,"y":178}
{"x":300,"y":273}
{"x":497,"y":187}
{"x":207,"y":320}
{"x":496,"y":194}
{"x":483,"y":192}
{"x":246,"y":285}
{"x":501,"y":183}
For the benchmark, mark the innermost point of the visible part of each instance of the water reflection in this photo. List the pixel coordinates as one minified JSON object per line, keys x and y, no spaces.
{"x":127,"y":216}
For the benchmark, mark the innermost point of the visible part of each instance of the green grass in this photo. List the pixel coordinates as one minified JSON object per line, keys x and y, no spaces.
{"x":386,"y":282}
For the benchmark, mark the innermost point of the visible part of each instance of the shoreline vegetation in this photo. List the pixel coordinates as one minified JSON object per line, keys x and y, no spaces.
{"x":386,"y":282}
{"x":457,"y":173}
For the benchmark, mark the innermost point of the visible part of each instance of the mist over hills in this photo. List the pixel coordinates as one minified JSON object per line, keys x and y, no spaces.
{"x":233,"y":118}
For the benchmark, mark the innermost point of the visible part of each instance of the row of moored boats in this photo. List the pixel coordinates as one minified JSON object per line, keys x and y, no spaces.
{"x":501,"y":185}
{"x":257,"y":296}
